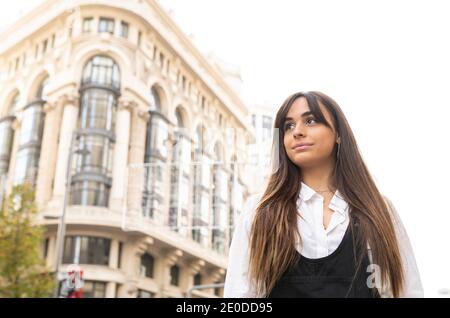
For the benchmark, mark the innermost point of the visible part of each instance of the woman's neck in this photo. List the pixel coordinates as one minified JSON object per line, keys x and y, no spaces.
{"x":319,"y":178}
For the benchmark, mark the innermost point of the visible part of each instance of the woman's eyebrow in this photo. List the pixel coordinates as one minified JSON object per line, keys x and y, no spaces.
{"x":302,"y":115}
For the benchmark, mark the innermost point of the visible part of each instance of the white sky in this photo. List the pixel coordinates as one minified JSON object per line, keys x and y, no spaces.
{"x":385,"y":62}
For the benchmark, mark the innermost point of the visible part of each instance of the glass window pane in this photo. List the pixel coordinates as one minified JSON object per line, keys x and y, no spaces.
{"x":32,"y":125}
{"x":98,"y":109}
{"x":124,"y":29}
{"x":155,"y":101}
{"x":106,"y":25}
{"x":68,"y":253}
{"x":94,"y":289}
{"x":89,"y":193}
{"x":6,"y":137}
{"x":27,"y":165}
{"x":101,"y":70}
{"x":147,"y":263}
{"x":87,"y":25}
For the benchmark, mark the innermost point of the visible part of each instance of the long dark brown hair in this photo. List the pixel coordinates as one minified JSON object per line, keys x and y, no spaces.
{"x":274,"y":230}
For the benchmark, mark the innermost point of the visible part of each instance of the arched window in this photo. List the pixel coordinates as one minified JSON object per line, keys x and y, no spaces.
{"x":147,"y":265}
{"x":6,"y":139}
{"x":155,"y":101}
{"x":30,"y":138}
{"x":180,"y":177}
{"x":101,"y":71}
{"x":40,"y":93}
{"x":155,"y":156}
{"x":174,"y":275}
{"x":100,"y":88}
{"x":220,"y":199}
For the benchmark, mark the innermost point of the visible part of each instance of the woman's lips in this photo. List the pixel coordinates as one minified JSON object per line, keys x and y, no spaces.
{"x":301,"y":148}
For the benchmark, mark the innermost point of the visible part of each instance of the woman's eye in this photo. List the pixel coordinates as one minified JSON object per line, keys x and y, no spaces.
{"x":310,"y":121}
{"x":289,"y":126}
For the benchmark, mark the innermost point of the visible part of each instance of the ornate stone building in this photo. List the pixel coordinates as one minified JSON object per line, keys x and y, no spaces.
{"x":154,"y":133}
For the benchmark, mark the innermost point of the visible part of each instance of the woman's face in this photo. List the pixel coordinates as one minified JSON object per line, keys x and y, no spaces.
{"x":301,"y":128}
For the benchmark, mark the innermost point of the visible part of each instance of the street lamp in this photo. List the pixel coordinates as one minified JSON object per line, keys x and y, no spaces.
{"x":62,"y":221}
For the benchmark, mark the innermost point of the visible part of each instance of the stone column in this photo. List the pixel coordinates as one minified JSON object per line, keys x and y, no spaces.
{"x":120,"y":161}
{"x":110,"y":291}
{"x":68,"y":126}
{"x":114,"y":254}
{"x":47,"y":161}
{"x":136,"y":171}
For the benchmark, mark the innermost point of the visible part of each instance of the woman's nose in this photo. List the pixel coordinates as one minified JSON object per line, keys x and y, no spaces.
{"x":299,"y":131}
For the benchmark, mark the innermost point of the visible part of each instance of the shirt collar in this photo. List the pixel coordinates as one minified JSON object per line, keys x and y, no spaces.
{"x":337,"y":202}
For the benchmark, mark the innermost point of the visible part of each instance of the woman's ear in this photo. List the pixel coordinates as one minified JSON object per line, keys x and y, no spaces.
{"x":338,"y":140}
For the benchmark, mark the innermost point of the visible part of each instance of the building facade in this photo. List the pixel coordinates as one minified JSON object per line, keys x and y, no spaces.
{"x":154,"y":133}
{"x":261,"y":151}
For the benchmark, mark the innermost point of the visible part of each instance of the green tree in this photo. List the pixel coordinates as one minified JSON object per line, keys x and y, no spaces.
{"x":22,"y":270}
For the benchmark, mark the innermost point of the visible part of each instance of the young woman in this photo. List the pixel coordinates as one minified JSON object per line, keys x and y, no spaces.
{"x":321,"y":228}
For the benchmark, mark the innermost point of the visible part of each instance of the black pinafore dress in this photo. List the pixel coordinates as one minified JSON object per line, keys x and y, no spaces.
{"x":334,"y":276}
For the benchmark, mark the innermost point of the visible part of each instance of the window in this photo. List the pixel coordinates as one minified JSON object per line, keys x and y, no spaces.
{"x":201,"y":193}
{"x":197,"y":279}
{"x":26,"y":166}
{"x":106,"y":25}
{"x":94,"y":289}
{"x":124,"y":29}
{"x":88,"y":25}
{"x":174,"y":275}
{"x":45,"y":248}
{"x":90,"y":193}
{"x":147,"y":263}
{"x":180,"y":176}
{"x":155,"y":101}
{"x":29,"y":144}
{"x":6,"y":133}
{"x":32,"y":125}
{"x":145,"y":294}
{"x":98,"y":108}
{"x":267,"y":127}
{"x":139,"y":38}
{"x":44,"y":46}
{"x":155,"y":155}
{"x":161,"y":59}
{"x":119,"y":258}
{"x":183,"y":82}
{"x":100,"y":86}
{"x":86,"y":250}
{"x":41,"y":89}
{"x":220,"y":199}
{"x":254,"y":120}
{"x":101,"y":70}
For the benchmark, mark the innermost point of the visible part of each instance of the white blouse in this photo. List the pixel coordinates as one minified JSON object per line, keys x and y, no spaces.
{"x":317,"y":242}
